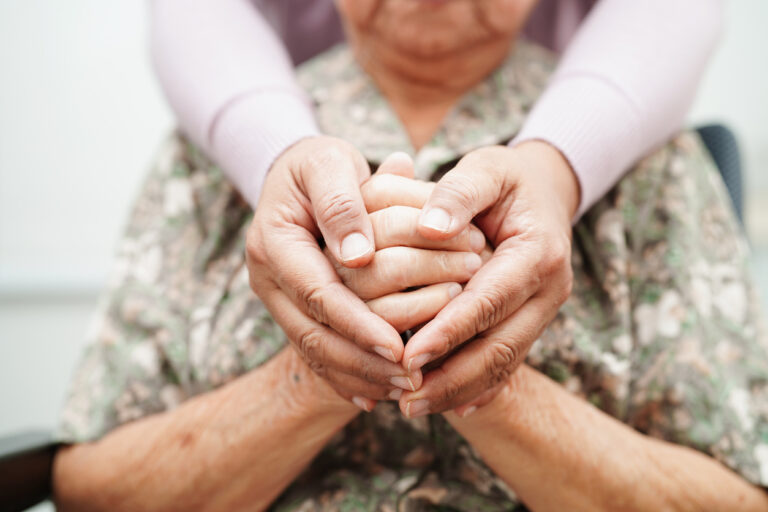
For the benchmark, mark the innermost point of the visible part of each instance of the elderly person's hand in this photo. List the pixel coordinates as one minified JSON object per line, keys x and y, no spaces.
{"x":312,"y":193}
{"x":523,"y":199}
{"x":318,"y":301}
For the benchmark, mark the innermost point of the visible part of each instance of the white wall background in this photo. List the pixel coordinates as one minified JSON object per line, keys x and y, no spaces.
{"x":80,"y":116}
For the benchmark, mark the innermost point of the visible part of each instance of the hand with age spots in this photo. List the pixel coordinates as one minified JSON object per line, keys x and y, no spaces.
{"x":523,"y":199}
{"x":316,"y":190}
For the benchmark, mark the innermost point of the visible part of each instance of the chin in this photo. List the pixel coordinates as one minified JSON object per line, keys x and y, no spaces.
{"x":433,"y":28}
{"x":434,"y":45}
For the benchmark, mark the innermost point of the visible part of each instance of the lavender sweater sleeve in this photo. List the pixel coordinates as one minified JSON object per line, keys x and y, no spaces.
{"x":624,"y":84}
{"x":230,"y":82}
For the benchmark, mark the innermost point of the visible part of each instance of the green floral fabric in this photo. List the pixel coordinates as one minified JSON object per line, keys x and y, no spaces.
{"x":662,"y":330}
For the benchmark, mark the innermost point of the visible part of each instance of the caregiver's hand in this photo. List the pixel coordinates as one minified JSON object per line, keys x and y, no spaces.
{"x":313,"y":191}
{"x":523,"y":199}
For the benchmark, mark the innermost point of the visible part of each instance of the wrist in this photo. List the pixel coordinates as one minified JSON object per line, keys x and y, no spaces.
{"x":551,"y":165}
{"x":306,"y":394}
{"x":505,"y":413}
{"x":246,"y":147}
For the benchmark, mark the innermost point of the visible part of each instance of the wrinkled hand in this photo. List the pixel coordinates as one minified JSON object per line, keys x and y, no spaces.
{"x":313,"y":192}
{"x":523,"y":199}
{"x":405,"y":260}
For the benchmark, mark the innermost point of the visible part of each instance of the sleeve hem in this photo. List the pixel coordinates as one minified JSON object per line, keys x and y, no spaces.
{"x":253,"y":130}
{"x":593,"y":125}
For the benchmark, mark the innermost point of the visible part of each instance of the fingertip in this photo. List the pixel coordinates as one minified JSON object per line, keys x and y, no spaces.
{"x":465,"y":411}
{"x":399,"y":163}
{"x":473,"y":262}
{"x":416,"y":362}
{"x":417,"y":379}
{"x":417,"y":408}
{"x":365,"y":404}
{"x":454,"y":289}
{"x":387,"y":353}
{"x":402,"y":402}
{"x":476,"y":240}
{"x":412,"y":406}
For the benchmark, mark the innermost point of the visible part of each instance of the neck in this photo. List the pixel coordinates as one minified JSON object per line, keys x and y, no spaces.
{"x":423,"y":89}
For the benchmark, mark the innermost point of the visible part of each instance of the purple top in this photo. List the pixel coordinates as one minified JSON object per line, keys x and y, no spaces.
{"x":627,"y":77}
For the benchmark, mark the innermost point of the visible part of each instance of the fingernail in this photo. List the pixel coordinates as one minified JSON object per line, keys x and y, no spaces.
{"x":476,"y":240}
{"x":361,"y":403}
{"x":437,"y":219}
{"x":386,"y":353}
{"x":468,"y":411}
{"x":403,"y":383}
{"x":395,"y":394}
{"x":473,"y":262}
{"x":454,"y":290}
{"x":418,"y":361}
{"x":417,"y":408}
{"x":354,"y":246}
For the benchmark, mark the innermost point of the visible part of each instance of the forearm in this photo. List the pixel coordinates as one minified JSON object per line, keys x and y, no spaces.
{"x":559,"y":452}
{"x":234,"y":448}
{"x":230,"y":82}
{"x":634,"y":68}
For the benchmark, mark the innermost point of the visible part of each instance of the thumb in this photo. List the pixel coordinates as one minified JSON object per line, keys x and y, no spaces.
{"x":473,"y":185}
{"x":332,"y":184}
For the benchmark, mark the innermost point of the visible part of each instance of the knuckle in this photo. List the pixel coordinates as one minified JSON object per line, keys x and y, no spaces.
{"x":379,"y":188}
{"x":311,"y":347}
{"x":567,"y":288}
{"x":314,"y":298}
{"x":460,"y":189}
{"x":349,"y":276}
{"x":385,"y":227}
{"x":367,"y":372}
{"x":318,"y":368}
{"x":489,"y":309}
{"x":324,"y":158}
{"x":450,"y":391}
{"x":489,"y":158}
{"x":393,"y":267}
{"x":501,"y":360}
{"x":254,"y":247}
{"x":447,"y":263}
{"x":337,"y":207}
{"x":556,"y":255}
{"x":393,"y":312}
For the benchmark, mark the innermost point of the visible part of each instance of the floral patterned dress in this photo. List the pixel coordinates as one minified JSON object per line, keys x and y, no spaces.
{"x":662,"y":330}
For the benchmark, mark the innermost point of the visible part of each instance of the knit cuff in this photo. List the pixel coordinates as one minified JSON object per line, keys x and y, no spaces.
{"x":594,"y":125}
{"x":253,"y":130}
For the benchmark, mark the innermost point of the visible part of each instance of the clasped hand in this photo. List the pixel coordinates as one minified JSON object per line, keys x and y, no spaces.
{"x":387,"y":234}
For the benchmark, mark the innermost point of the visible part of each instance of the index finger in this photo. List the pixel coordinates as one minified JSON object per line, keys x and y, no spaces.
{"x":497,"y":290}
{"x":309,"y":279}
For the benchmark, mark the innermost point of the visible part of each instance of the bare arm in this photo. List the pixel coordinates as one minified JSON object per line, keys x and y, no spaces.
{"x":240,"y":446}
{"x":231,"y":449}
{"x":559,"y":452}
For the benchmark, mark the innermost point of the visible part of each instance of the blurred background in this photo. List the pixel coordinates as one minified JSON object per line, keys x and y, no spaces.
{"x":80,"y":119}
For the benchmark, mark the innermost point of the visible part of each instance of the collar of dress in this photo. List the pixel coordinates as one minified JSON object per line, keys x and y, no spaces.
{"x":348,"y":105}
